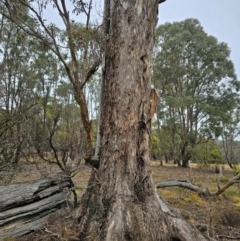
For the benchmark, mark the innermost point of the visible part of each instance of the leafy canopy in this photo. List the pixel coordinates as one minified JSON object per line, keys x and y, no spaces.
{"x":196,"y":80}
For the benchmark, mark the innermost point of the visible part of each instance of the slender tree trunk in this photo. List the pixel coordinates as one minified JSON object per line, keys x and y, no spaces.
{"x":121,"y":202}
{"x":185,"y":155}
{"x":97,"y":148}
{"x":185,"y":162}
{"x":81,"y":100}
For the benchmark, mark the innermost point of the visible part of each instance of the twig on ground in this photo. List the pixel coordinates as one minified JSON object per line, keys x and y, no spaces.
{"x":55,"y":234}
{"x":228,"y":237}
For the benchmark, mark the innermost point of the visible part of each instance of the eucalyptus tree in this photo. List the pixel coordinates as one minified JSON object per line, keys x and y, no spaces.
{"x":30,"y":76}
{"x":229,"y":138}
{"x":207,"y":153}
{"x":121,"y":202}
{"x":16,"y":98}
{"x":196,"y":81}
{"x":78,"y":50}
{"x":56,"y":129}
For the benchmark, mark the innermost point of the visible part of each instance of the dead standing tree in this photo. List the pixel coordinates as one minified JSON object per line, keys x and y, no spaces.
{"x":121,"y":202}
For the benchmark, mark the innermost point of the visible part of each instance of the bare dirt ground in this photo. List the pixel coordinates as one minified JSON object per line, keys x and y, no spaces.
{"x":217,"y":217}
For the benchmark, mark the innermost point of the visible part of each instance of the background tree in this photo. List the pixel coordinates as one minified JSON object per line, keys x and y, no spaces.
{"x":165,"y":143}
{"x":16,"y":96}
{"x":207,"y":153}
{"x":39,"y":113}
{"x":229,"y":136}
{"x":78,"y":49}
{"x":196,"y":82}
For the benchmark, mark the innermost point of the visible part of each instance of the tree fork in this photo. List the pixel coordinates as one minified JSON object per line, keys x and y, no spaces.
{"x":121,"y":201}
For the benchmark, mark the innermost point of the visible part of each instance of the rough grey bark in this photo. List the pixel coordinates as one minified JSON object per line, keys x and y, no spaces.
{"x":24,"y":207}
{"x":121,"y":201}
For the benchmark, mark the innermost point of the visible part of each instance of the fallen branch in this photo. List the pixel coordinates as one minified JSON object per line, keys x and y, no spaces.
{"x":185,"y":184}
{"x":55,"y":234}
{"x":228,"y":184}
{"x":200,"y":191}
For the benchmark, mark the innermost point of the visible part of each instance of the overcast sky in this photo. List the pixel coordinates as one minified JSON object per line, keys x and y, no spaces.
{"x":220,"y":18}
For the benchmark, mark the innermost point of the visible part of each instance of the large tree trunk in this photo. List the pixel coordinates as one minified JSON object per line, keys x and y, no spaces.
{"x":121,"y":202}
{"x":81,"y":100}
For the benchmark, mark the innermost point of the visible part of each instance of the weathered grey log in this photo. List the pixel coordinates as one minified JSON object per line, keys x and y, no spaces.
{"x":185,"y":184}
{"x":21,"y":194}
{"x":24,"y":207}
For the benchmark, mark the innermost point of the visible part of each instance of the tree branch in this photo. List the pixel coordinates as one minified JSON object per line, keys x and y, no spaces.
{"x":89,"y":74}
{"x":161,"y":1}
{"x":185,"y":184}
{"x":201,"y":191}
{"x":228,"y":184}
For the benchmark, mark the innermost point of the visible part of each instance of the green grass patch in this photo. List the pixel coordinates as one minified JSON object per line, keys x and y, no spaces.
{"x":236,"y":200}
{"x":222,"y":180}
{"x":168,"y":194}
{"x":233,"y":191}
{"x":195,"y":199}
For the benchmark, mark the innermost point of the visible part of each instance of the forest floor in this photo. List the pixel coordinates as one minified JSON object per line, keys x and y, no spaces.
{"x":217,"y":216}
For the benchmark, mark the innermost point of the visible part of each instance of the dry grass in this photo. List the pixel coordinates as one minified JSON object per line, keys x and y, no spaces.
{"x":221,"y":214}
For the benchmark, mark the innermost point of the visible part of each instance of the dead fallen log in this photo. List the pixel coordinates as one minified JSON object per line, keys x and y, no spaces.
{"x":200,"y":191}
{"x":24,"y":207}
{"x":185,"y":184}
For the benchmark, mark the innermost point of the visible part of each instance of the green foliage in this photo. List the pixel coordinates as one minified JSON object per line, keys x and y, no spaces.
{"x":228,"y":144}
{"x":33,"y":94}
{"x":207,"y":152}
{"x":223,"y":179}
{"x":197,"y":84}
{"x":236,"y":170}
{"x":154,"y":145}
{"x":162,"y":143}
